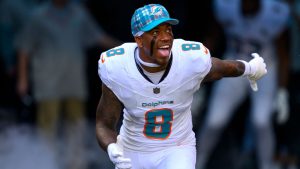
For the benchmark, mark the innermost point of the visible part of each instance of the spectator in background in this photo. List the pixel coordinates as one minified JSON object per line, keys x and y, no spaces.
{"x":51,"y":51}
{"x":295,"y":36}
{"x":13,"y":15}
{"x":249,"y":25}
{"x":288,"y":137}
{"x":292,"y":131}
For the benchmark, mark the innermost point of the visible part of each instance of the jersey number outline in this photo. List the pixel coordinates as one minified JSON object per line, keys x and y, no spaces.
{"x":113,"y":52}
{"x":158,"y":124}
{"x":190,"y":46}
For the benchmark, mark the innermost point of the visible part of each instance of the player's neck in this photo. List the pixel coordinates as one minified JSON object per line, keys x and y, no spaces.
{"x":153,"y":69}
{"x":147,"y":66}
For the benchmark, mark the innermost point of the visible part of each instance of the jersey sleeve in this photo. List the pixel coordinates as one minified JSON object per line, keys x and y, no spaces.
{"x":206,"y":60}
{"x":103,"y":70}
{"x":195,"y":57}
{"x":112,"y":65}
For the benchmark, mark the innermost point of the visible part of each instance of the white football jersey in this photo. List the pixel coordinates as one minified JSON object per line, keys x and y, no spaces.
{"x":156,"y":116}
{"x":246,"y":35}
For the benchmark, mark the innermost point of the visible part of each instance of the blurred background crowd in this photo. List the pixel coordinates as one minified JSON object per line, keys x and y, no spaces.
{"x":49,"y":85}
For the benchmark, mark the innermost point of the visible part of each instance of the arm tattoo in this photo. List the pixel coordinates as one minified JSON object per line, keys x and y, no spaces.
{"x":233,"y":68}
{"x":107,"y":116}
{"x":224,"y":68}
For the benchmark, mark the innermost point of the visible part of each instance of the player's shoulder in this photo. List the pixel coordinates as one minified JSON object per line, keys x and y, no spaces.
{"x":190,"y":52}
{"x":277,"y":9}
{"x":276,"y":15}
{"x":113,"y":62}
{"x":191,"y":49}
{"x":277,"y":3}
{"x":191,"y":56}
{"x":119,"y":52}
{"x":124,"y":46}
{"x":117,"y":56}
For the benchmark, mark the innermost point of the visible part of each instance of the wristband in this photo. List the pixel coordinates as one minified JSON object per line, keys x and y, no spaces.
{"x":247,"y":70}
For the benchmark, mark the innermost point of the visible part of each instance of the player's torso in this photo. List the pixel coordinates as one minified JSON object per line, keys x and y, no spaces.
{"x":157,"y":112}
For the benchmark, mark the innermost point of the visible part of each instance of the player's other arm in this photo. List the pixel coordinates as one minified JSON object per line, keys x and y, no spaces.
{"x":224,"y":68}
{"x":253,"y":70}
{"x":107,"y":117}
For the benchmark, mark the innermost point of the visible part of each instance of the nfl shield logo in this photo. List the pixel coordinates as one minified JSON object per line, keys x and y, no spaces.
{"x":156,"y":90}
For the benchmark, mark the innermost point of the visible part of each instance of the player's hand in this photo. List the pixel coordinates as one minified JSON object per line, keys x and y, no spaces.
{"x":282,"y":105}
{"x":115,"y":154}
{"x":257,"y":69}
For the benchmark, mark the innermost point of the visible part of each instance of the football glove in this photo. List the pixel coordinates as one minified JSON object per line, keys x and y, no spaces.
{"x":254,"y":70}
{"x":115,"y":153}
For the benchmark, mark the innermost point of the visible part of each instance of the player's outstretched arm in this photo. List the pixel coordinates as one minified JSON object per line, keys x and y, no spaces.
{"x":224,"y":68}
{"x":107,"y":117}
{"x":253,"y":70}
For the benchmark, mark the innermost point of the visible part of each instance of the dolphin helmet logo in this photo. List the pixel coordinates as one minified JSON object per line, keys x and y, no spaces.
{"x":156,"y":10}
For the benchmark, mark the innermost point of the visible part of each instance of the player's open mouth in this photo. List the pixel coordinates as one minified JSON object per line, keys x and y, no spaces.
{"x":164,"y":50}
